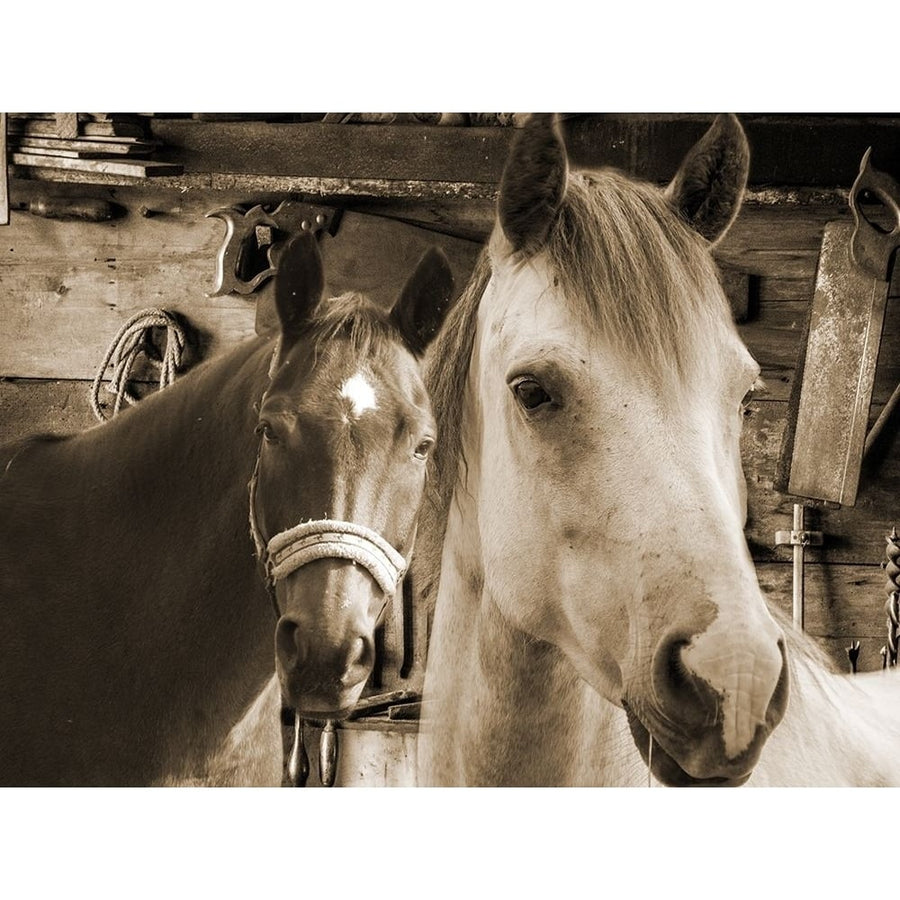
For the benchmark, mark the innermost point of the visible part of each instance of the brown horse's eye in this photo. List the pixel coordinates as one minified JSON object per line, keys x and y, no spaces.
{"x":530,"y":394}
{"x":265,"y":430}
{"x":424,"y":448}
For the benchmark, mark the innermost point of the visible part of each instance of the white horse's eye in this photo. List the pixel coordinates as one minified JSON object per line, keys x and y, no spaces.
{"x":530,"y":394}
{"x":423,"y":448}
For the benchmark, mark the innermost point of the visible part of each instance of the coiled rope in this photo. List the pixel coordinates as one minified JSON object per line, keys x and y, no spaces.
{"x":132,"y":340}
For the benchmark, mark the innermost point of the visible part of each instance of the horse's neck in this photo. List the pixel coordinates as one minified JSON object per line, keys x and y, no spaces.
{"x":503,"y":707}
{"x":158,"y":634}
{"x":838,"y":730}
{"x":251,"y":754}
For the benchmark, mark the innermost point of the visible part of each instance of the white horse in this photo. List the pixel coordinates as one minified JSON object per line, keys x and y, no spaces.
{"x":583,"y":539}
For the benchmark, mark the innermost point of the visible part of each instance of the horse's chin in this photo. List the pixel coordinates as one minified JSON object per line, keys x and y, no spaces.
{"x":319,"y":705}
{"x":665,"y":769}
{"x":324,"y":715}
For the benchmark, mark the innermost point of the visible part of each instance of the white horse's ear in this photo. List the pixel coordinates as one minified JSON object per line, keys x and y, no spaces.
{"x":299,"y":283}
{"x":425,"y":300}
{"x":533,"y":184}
{"x":709,"y":186}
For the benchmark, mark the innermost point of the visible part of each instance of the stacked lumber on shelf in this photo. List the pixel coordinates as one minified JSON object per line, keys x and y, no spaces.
{"x":108,"y":143}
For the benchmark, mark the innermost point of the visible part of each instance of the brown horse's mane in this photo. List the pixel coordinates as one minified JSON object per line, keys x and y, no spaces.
{"x":355,"y":317}
{"x":629,"y":265}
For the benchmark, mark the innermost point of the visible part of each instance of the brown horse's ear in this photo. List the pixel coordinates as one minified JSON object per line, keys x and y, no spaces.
{"x":533,"y":183}
{"x":425,"y":300}
{"x":299,"y":283}
{"x":709,"y":186}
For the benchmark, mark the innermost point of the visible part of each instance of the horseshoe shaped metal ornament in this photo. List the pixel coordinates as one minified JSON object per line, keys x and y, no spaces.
{"x":289,"y":218}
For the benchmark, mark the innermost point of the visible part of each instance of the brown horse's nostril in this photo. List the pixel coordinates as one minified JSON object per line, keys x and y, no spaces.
{"x":359,"y":660}
{"x":290,"y":645}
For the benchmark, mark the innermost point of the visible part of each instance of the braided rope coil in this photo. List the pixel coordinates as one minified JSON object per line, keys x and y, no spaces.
{"x":892,"y":607}
{"x":131,"y":340}
{"x":892,"y":564}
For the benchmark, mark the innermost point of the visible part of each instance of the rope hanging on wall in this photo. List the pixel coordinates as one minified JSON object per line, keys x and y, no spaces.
{"x":132,"y":340}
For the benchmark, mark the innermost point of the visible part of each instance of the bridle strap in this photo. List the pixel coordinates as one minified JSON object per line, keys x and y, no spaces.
{"x":335,"y":539}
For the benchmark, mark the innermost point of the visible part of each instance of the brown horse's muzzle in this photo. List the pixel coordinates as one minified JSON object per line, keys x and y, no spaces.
{"x":325,"y":638}
{"x":332,"y":581}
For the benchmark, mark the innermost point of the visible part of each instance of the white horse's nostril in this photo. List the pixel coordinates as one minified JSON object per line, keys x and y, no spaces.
{"x":745,"y":677}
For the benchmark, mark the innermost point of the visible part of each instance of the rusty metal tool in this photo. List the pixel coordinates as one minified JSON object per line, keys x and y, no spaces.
{"x":799,"y":538}
{"x":828,"y":435}
{"x":270,"y":232}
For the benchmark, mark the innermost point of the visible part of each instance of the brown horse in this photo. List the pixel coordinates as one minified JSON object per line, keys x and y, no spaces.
{"x":135,"y":626}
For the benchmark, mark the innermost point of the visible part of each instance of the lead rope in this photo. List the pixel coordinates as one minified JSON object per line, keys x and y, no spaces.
{"x":650,"y":761}
{"x":132,"y":340}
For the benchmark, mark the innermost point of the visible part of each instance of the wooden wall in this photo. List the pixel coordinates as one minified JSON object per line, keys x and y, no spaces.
{"x":778,"y":245}
{"x":66,"y":287}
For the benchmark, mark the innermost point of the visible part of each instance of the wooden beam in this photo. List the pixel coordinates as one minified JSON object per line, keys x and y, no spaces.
{"x":388,"y":152}
{"x":785,"y":150}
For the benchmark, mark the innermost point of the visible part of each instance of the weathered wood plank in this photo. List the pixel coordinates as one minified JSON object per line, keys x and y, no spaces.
{"x":130,"y":168}
{"x":390,"y":152}
{"x":67,"y":287}
{"x":118,"y":130}
{"x":842,"y":603}
{"x":106,"y":147}
{"x":854,"y":535}
{"x":67,"y":124}
{"x":794,"y":150}
{"x":32,"y":407}
{"x":377,"y":256}
{"x":785,"y":149}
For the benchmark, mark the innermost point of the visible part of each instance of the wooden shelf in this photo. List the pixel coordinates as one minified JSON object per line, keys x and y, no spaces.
{"x":423,"y":162}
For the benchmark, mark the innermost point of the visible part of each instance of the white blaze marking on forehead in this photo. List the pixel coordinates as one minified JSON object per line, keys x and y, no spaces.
{"x":360,"y":393}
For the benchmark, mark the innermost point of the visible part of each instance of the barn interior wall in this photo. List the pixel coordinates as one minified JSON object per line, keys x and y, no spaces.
{"x":67,"y":286}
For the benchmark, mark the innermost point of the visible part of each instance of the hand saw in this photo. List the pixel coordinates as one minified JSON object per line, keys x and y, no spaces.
{"x":846,"y":318}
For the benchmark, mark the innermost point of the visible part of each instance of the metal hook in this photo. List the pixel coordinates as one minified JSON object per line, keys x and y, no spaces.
{"x":853,"y":655}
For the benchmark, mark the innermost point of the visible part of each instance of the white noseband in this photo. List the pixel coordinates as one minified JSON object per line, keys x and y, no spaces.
{"x":333,"y":539}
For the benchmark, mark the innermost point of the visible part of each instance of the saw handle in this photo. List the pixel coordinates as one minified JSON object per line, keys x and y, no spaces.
{"x":871,"y":247}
